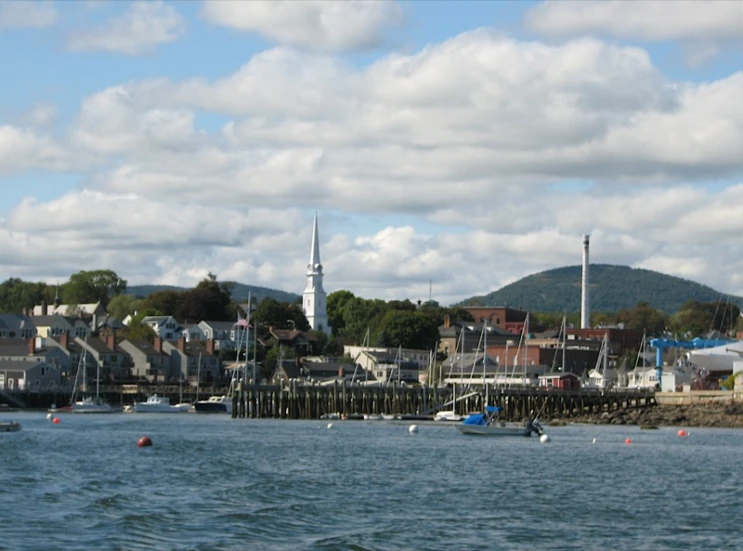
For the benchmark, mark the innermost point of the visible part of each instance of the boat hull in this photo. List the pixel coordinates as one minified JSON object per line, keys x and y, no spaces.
{"x":9,"y":426}
{"x":215,"y":404}
{"x":494,"y":430}
{"x":159,"y":408}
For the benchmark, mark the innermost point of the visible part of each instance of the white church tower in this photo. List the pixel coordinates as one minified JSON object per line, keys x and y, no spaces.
{"x":315,"y":299}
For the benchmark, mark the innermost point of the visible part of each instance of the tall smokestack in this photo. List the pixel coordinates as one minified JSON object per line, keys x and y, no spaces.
{"x":585,"y":309}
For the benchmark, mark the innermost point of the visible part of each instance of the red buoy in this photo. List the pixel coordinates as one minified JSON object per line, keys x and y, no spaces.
{"x":628,"y":441}
{"x":682,"y":433}
{"x":144,"y":441}
{"x":55,"y":420}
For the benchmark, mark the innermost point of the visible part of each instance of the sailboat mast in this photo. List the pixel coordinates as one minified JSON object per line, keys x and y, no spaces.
{"x":564,"y":339}
{"x":484,"y":362}
{"x":247,"y":340}
{"x":198,"y":378}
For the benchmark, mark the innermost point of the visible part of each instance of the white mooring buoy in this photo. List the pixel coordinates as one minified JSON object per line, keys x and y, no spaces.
{"x":330,"y":425}
{"x":544,"y":438}
{"x":413,"y":429}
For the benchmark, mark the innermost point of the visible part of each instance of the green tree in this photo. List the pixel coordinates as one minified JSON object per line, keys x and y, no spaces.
{"x":163,"y":303}
{"x":86,"y":287}
{"x":408,"y":329}
{"x":16,"y":294}
{"x":272,"y":313}
{"x":359,"y":315}
{"x":139,"y":331}
{"x":336,"y":303}
{"x":320,"y":345}
{"x":123,"y":305}
{"x":644,"y":318}
{"x":209,"y":300}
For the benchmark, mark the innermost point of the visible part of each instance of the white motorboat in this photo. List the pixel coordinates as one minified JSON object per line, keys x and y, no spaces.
{"x":159,"y":404}
{"x":447,"y":416}
{"x":488,"y":424}
{"x":92,"y":404}
{"x":215,"y":404}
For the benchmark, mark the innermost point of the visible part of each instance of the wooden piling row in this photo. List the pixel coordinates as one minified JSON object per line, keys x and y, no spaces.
{"x":295,"y":401}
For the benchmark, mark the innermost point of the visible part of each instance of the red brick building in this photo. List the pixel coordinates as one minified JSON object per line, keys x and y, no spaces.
{"x":507,"y":319}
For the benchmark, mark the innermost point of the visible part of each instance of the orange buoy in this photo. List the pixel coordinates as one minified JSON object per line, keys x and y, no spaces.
{"x":55,"y":420}
{"x":628,"y":441}
{"x":681,"y":433}
{"x":144,"y":442}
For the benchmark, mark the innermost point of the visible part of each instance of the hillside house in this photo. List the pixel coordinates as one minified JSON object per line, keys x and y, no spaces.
{"x":194,"y":362}
{"x":165,"y":327}
{"x":28,"y":376}
{"x":16,"y":326}
{"x":148,"y":361}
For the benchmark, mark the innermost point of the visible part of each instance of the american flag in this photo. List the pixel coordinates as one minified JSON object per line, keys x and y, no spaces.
{"x":242,"y":322}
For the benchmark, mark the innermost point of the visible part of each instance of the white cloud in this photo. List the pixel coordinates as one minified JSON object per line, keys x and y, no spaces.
{"x":471,"y":163}
{"x":702,"y":26}
{"x":321,"y":25}
{"x":139,"y":30}
{"x":646,"y":20}
{"x":26,"y":14}
{"x":22,"y":149}
{"x":41,"y":114}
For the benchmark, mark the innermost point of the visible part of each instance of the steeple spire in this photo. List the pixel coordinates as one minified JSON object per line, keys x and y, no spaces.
{"x":315,"y":251}
{"x":314,"y":299}
{"x":57,"y":300}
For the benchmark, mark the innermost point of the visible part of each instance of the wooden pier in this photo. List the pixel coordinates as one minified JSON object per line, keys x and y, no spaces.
{"x":315,"y":401}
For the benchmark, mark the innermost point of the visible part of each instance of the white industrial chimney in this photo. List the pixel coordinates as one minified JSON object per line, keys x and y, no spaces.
{"x":585,"y":309}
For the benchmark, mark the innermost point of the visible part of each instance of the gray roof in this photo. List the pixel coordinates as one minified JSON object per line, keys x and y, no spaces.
{"x":14,"y":347}
{"x":220,"y":325}
{"x":17,"y":365}
{"x":16,"y":322}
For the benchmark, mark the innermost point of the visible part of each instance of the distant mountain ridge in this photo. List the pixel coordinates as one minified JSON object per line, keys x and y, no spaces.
{"x":239,"y":292}
{"x":612,"y":288}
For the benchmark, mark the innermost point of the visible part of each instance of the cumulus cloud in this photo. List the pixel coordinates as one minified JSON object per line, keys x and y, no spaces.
{"x":701,"y":25}
{"x":479,"y":112}
{"x":319,"y":25}
{"x":35,"y":15}
{"x":647,"y":20}
{"x":23,"y":148}
{"x":487,"y":157}
{"x":139,"y":30}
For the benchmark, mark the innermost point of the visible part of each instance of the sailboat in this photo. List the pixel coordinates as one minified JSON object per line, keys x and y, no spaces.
{"x":89,"y":404}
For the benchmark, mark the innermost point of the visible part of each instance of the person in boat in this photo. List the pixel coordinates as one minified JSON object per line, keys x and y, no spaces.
{"x":532,"y":425}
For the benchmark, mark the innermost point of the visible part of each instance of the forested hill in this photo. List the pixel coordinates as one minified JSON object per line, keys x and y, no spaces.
{"x":612,"y":288}
{"x":239,"y":292}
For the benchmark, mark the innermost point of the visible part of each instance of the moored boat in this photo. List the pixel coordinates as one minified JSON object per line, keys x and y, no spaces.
{"x":488,"y":424}
{"x":159,"y":404}
{"x":215,"y":404}
{"x":9,"y":426}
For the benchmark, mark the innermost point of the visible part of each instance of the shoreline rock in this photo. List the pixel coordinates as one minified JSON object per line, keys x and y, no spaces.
{"x":709,"y":415}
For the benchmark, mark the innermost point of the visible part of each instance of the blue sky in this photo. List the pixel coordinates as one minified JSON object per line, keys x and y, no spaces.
{"x":436,"y":140}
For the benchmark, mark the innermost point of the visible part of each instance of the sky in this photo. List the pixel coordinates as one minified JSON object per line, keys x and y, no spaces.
{"x":446,"y":147}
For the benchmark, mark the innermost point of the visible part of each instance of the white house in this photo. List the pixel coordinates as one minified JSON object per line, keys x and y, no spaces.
{"x":165,"y":327}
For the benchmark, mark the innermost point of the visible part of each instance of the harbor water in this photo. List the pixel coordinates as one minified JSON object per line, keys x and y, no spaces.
{"x":213,"y":483}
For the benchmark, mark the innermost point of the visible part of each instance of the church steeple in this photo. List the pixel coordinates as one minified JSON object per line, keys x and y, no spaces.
{"x":315,"y":250}
{"x":314,"y":301}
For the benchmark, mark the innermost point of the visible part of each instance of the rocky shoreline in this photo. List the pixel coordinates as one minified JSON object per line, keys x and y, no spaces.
{"x":724,"y":415}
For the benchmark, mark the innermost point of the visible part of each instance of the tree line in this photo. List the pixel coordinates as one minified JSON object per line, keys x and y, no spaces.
{"x":353,"y":319}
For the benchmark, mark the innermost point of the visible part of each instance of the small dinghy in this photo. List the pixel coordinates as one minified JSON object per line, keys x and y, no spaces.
{"x":9,"y":426}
